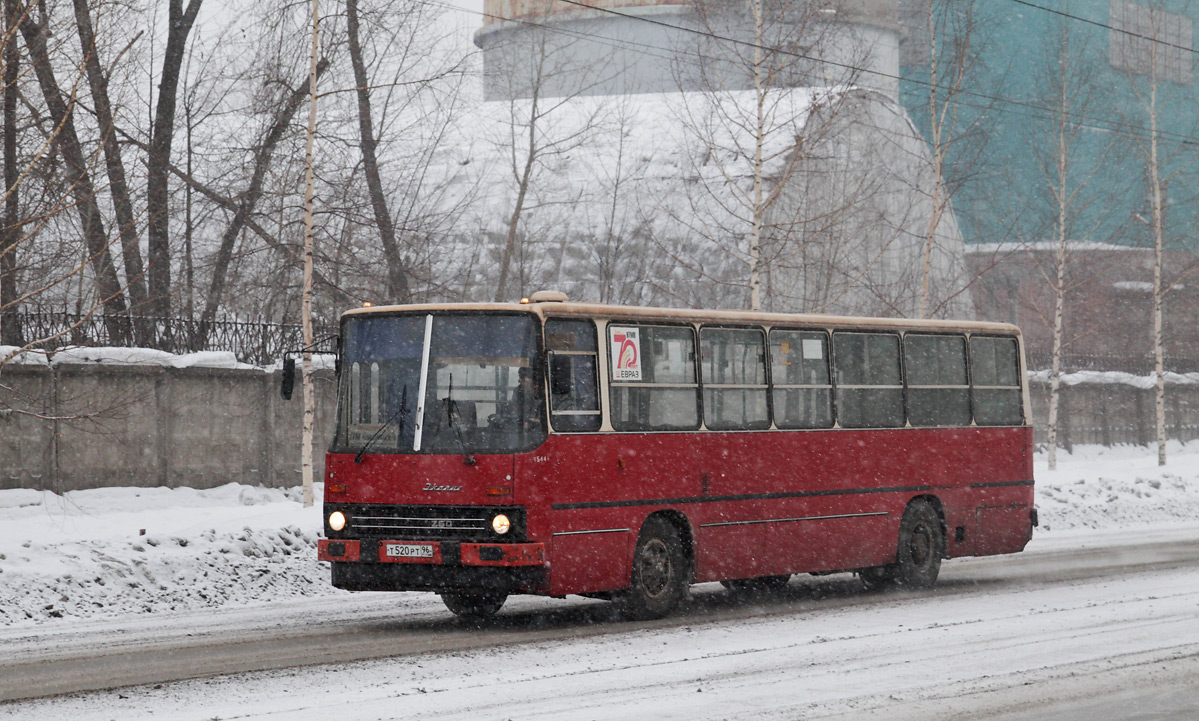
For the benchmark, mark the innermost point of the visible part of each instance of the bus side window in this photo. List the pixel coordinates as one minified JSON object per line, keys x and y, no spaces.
{"x":869,"y":386}
{"x":654,"y":384}
{"x":938,"y":394}
{"x":995,"y":382}
{"x":803,"y":392}
{"x":574,"y":391}
{"x":733,"y":366}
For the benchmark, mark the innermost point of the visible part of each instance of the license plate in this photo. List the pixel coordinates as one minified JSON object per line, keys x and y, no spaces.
{"x":409,"y":550}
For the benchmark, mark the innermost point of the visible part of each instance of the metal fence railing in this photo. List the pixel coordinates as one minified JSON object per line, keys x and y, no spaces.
{"x":1136,"y":365}
{"x":255,"y":342}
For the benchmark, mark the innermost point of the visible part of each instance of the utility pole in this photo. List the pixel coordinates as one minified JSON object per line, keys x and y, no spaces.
{"x":306,"y":303}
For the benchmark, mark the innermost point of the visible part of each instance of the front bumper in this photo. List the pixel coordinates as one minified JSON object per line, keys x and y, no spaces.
{"x":366,"y":565}
{"x":452,"y":553}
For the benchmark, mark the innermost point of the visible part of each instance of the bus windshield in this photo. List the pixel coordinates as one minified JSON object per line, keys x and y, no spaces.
{"x":481,"y":391}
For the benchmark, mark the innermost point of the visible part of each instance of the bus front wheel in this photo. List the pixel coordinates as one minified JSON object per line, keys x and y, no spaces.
{"x":918,"y":556}
{"x":474,"y":606}
{"x":660,"y":573}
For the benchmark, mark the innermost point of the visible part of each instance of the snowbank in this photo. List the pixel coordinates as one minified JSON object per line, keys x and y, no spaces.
{"x":119,"y":551}
{"x":116,"y":551}
{"x":1121,"y":487}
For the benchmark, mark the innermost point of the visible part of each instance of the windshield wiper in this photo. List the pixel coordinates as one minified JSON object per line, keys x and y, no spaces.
{"x":451,"y":410}
{"x":397,"y":416}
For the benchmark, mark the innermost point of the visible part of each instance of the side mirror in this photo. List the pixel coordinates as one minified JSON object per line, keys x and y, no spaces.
{"x":288,"y":381}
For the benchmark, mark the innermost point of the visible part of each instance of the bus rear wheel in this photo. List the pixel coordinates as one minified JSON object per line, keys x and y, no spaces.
{"x":660,"y":573}
{"x":474,"y":606}
{"x":918,"y":556}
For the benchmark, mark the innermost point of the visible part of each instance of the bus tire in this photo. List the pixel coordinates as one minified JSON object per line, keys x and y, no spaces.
{"x":660,"y":574}
{"x":918,"y":555}
{"x":474,"y":606}
{"x":921,"y":545}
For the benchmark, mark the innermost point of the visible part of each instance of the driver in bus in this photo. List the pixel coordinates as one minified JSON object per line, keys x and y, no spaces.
{"x":523,"y":409}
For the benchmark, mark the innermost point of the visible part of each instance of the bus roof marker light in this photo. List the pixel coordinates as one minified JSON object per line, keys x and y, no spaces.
{"x":367,"y":304}
{"x":524,"y":301}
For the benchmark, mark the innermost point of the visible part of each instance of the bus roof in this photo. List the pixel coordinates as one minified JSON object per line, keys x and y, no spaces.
{"x":643,"y":313}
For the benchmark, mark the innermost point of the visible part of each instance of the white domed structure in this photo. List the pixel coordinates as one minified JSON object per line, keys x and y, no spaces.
{"x":601,"y":47}
{"x":680,"y":152}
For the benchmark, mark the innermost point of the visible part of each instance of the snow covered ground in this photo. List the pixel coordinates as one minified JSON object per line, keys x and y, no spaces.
{"x":72,"y":566}
{"x":119,"y":551}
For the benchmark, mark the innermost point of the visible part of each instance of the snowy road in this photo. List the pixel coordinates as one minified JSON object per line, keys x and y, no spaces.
{"x":1085,"y":625}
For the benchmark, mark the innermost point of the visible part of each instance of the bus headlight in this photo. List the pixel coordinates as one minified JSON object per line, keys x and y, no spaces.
{"x":500,"y":524}
{"x":337,"y":520}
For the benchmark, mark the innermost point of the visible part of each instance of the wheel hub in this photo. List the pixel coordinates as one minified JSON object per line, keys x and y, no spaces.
{"x":655,"y":568}
{"x":920,"y":548}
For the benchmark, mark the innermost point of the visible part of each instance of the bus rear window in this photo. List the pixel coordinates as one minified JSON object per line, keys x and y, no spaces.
{"x":995,"y":380}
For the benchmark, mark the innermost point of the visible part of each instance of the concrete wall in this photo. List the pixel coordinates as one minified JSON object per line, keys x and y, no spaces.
{"x":110,"y":425}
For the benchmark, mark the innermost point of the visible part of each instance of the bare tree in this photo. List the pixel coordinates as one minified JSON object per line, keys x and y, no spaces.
{"x":78,"y":175}
{"x":789,"y":114}
{"x":118,"y":186}
{"x":1151,"y":71}
{"x":752,"y":116}
{"x":397,"y":274}
{"x":179,"y":25}
{"x":253,"y":192}
{"x":956,"y":139}
{"x":10,"y":235}
{"x":536,"y":61}
{"x":309,"y":243}
{"x":1071,"y":162}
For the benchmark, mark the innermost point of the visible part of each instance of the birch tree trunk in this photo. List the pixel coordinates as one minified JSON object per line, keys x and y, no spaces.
{"x":759,"y":207}
{"x":306,"y":303}
{"x":1159,"y":402}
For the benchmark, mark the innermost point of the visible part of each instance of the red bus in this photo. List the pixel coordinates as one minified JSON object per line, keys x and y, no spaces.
{"x":556,"y":448}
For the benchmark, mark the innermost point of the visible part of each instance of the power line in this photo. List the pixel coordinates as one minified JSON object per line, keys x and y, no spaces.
{"x":1096,"y":23}
{"x":1040,"y":110}
{"x":1032,"y":109}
